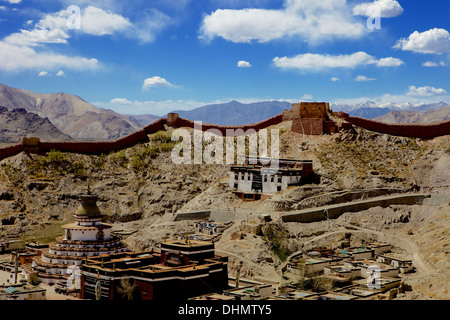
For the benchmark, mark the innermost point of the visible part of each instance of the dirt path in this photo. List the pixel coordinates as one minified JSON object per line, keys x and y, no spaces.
{"x":405,"y":243}
{"x":269,"y":273}
{"x":314,"y":239}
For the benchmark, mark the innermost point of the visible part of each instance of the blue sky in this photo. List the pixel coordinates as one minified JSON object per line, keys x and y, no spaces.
{"x":157,"y":56}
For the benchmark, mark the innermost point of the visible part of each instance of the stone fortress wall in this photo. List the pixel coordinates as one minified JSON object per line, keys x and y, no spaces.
{"x":310,"y":118}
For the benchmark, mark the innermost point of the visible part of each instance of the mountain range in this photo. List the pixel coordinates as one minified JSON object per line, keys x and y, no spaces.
{"x":430,"y":116}
{"x":77,"y":119}
{"x":18,"y":123}
{"x":371,"y":110}
{"x":235,"y":113}
{"x":70,"y":114}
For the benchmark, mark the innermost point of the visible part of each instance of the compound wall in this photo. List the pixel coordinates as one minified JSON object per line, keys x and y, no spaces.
{"x":99,"y":147}
{"x":232,"y":130}
{"x":306,"y":126}
{"x":424,"y":131}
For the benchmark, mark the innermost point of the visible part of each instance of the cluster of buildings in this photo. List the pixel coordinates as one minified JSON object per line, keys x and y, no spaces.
{"x":179,"y":270}
{"x":209,"y":230}
{"x":356,"y":273}
{"x":94,"y":263}
{"x":350,"y":272}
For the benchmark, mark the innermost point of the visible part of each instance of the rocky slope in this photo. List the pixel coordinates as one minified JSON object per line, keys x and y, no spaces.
{"x":416,"y":117}
{"x":19,"y":123}
{"x":70,"y":114}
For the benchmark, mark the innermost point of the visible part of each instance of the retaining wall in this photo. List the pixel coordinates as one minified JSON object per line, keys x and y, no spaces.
{"x":194,"y":215}
{"x":424,"y":131}
{"x":335,"y":211}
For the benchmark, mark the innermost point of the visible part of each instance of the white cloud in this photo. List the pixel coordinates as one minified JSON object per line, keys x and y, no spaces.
{"x":429,"y":64}
{"x":94,"y":21}
{"x":98,"y":22}
{"x":60,"y":73}
{"x":27,"y":48}
{"x":433,"y":41}
{"x":244,"y":64}
{"x":307,"y":97}
{"x":433,"y":64}
{"x":17,"y":58}
{"x":311,"y":61}
{"x":426,"y":91}
{"x":51,"y":29}
{"x":13,"y":1}
{"x":364,"y":79}
{"x":121,"y":101}
{"x":43,"y":74}
{"x":156,"y":82}
{"x":148,"y":25}
{"x":309,"y":20}
{"x":387,"y":8}
{"x":389,"y":62}
{"x":335,"y":79}
{"x":317,"y":62}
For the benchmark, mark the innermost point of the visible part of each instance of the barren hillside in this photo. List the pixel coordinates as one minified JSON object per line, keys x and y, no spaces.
{"x":70,"y":114}
{"x":416,"y":117}
{"x":140,"y":190}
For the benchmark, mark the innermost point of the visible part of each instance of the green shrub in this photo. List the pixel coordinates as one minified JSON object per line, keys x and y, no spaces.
{"x":162,"y":136}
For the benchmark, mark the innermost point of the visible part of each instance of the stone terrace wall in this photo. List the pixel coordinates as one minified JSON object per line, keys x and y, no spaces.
{"x":335,"y":211}
{"x":424,"y":131}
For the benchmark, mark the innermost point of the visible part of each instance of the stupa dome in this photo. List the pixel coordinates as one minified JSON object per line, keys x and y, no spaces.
{"x":88,"y":206}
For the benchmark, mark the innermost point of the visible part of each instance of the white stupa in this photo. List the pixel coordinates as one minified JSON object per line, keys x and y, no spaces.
{"x":87,"y":236}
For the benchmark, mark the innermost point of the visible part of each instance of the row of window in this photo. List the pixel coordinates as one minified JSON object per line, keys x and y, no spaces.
{"x":265,"y":178}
